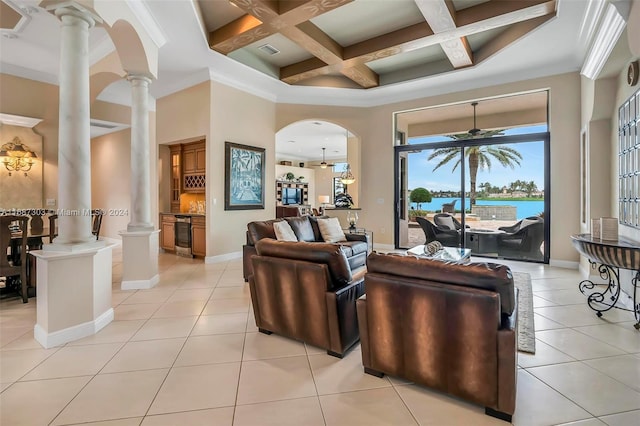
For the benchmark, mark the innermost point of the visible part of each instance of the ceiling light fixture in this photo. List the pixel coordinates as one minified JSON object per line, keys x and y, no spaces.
{"x":17,"y":157}
{"x":323,"y":165}
{"x":475,"y":131}
{"x":268,"y":49}
{"x":347,"y":177}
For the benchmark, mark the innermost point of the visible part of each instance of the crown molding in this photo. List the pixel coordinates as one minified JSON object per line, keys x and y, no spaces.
{"x":141,"y":11}
{"x":610,"y":30}
{"x":18,"y":120}
{"x":592,"y":15}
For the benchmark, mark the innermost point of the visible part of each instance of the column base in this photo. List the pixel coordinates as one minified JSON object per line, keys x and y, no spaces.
{"x":139,"y":259}
{"x":74,"y":294}
{"x":74,"y":247}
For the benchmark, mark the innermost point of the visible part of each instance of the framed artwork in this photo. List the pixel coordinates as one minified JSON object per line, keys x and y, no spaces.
{"x":244,"y":177}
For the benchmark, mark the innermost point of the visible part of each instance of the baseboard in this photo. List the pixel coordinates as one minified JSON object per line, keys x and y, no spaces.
{"x":223,"y":257}
{"x":60,"y":337}
{"x":140,"y":284}
{"x":564,"y":264}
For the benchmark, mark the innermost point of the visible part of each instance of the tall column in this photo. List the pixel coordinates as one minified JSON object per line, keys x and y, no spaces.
{"x":140,"y":175}
{"x":74,"y":140}
{"x":140,"y":241}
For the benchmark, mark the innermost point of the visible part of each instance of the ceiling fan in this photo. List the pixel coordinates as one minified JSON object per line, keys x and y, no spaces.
{"x":475,"y":131}
{"x":323,"y":164}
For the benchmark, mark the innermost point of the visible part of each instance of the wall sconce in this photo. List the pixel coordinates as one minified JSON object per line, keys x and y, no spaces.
{"x":17,"y":157}
{"x":346,"y":177}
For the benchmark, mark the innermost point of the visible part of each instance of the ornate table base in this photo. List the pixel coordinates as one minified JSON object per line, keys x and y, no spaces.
{"x":608,"y":299}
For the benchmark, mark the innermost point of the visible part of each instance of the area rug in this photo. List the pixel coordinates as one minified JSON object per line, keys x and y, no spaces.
{"x":526,"y":328}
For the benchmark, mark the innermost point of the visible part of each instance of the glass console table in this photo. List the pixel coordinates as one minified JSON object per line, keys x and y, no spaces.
{"x":611,"y":255}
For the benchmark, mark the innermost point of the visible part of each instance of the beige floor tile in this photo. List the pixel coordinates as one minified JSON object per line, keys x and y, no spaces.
{"x":543,"y":323}
{"x":367,"y":408}
{"x":587,"y":386}
{"x":37,"y":402}
{"x":562,"y":297}
{"x":145,"y":355}
{"x":577,"y":345}
{"x":185,"y":308}
{"x":312,"y":350}
{"x":131,"y":421}
{"x":9,"y":335}
{"x":627,"y":339}
{"x":26,"y":341}
{"x":292,"y":412}
{"x":572,"y":316}
{"x":539,"y":404}
{"x":231,"y":292}
{"x":275,"y":379}
{"x":118,"y":297}
{"x":251,"y":323}
{"x":3,"y":386}
{"x":334,"y":375}
{"x":262,"y":346}
{"x":211,"y":349}
{"x":199,"y":282}
{"x":72,"y":361}
{"x":437,"y":409}
{"x":588,"y":422}
{"x":212,"y":417}
{"x":116,"y":331}
{"x":625,"y":369}
{"x":165,"y":328}
{"x":226,"y":306}
{"x":539,"y":302}
{"x":15,"y":364}
{"x":630,"y":418}
{"x":220,"y":324}
{"x":113,"y":396}
{"x":201,"y":294}
{"x":197,"y":387}
{"x":155,"y":295}
{"x":544,"y":355}
{"x":542,"y":284}
{"x":136,"y":311}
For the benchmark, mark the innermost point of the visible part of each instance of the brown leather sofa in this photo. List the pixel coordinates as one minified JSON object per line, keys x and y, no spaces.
{"x":306,"y":230}
{"x":306,"y":291}
{"x":448,"y":326}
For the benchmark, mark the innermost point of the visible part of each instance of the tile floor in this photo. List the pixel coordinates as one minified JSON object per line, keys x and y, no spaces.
{"x":188,"y":353}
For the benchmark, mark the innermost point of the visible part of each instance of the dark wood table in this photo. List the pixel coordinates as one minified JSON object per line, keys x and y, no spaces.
{"x":34,"y":242}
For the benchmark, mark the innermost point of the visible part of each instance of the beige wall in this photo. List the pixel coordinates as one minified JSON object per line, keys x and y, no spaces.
{"x":374,"y":126}
{"x":242,"y":118}
{"x":110,"y":177}
{"x":20,"y":96}
{"x":19,"y":191}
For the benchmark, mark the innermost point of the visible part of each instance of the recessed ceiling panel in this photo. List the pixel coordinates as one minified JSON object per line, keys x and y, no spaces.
{"x":364,"y":19}
{"x":476,"y":41}
{"x":464,"y":4}
{"x":217,"y":14}
{"x":289,"y":53}
{"x":408,"y":59}
{"x":9,"y":18}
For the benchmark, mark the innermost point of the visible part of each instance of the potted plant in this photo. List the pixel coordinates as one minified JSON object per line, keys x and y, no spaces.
{"x":290,"y":176}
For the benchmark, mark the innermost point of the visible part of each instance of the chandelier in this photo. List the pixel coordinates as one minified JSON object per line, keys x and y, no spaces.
{"x":347,"y":177}
{"x":17,"y":157}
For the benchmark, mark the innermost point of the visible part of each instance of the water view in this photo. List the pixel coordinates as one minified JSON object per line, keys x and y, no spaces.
{"x":524,"y":208}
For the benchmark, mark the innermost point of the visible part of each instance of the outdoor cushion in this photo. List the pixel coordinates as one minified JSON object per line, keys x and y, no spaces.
{"x":445,"y":222}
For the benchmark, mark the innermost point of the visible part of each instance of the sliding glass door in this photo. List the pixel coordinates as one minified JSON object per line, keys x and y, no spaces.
{"x":492,"y":193}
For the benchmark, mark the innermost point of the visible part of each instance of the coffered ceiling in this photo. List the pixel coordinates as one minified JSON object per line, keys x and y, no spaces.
{"x":366,"y":43}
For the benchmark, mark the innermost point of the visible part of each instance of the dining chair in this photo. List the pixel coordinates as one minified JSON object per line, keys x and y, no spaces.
{"x":13,"y":252}
{"x":96,"y":224}
{"x":53,"y":226}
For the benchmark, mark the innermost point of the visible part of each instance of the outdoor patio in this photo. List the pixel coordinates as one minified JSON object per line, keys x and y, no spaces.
{"x":417,"y":237}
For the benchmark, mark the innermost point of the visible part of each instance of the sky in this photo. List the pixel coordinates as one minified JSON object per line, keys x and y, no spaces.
{"x":531,"y":167}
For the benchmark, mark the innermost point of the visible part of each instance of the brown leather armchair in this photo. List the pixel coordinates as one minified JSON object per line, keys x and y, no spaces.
{"x":306,"y":291}
{"x":448,"y":326}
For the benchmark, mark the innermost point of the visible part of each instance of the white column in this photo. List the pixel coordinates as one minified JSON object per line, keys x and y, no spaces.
{"x":140,"y":175}
{"x":74,"y":140}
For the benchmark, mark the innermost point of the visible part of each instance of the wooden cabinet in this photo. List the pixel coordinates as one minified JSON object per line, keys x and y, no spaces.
{"x":198,"y":236}
{"x":194,"y":160}
{"x":176,"y":177}
{"x":167,"y":232}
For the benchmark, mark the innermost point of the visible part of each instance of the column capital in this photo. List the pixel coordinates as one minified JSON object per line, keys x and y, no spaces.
{"x":134,"y":77}
{"x":72,"y":8}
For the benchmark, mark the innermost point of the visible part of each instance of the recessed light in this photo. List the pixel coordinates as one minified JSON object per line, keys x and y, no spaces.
{"x":10,"y":36}
{"x":317,"y":123}
{"x":268,"y":49}
{"x":291,"y":141}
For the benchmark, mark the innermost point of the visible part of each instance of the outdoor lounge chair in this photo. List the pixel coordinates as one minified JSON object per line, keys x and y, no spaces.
{"x":522,"y":240}
{"x":449,"y":207}
{"x":447,"y":237}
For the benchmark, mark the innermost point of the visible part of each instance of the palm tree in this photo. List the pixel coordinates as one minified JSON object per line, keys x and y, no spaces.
{"x":477,"y":157}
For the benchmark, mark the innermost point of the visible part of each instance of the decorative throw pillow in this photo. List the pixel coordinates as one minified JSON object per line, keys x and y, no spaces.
{"x":445,"y":222}
{"x":330,"y":230}
{"x":432,"y":248}
{"x":284,"y":232}
{"x":526,"y":222}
